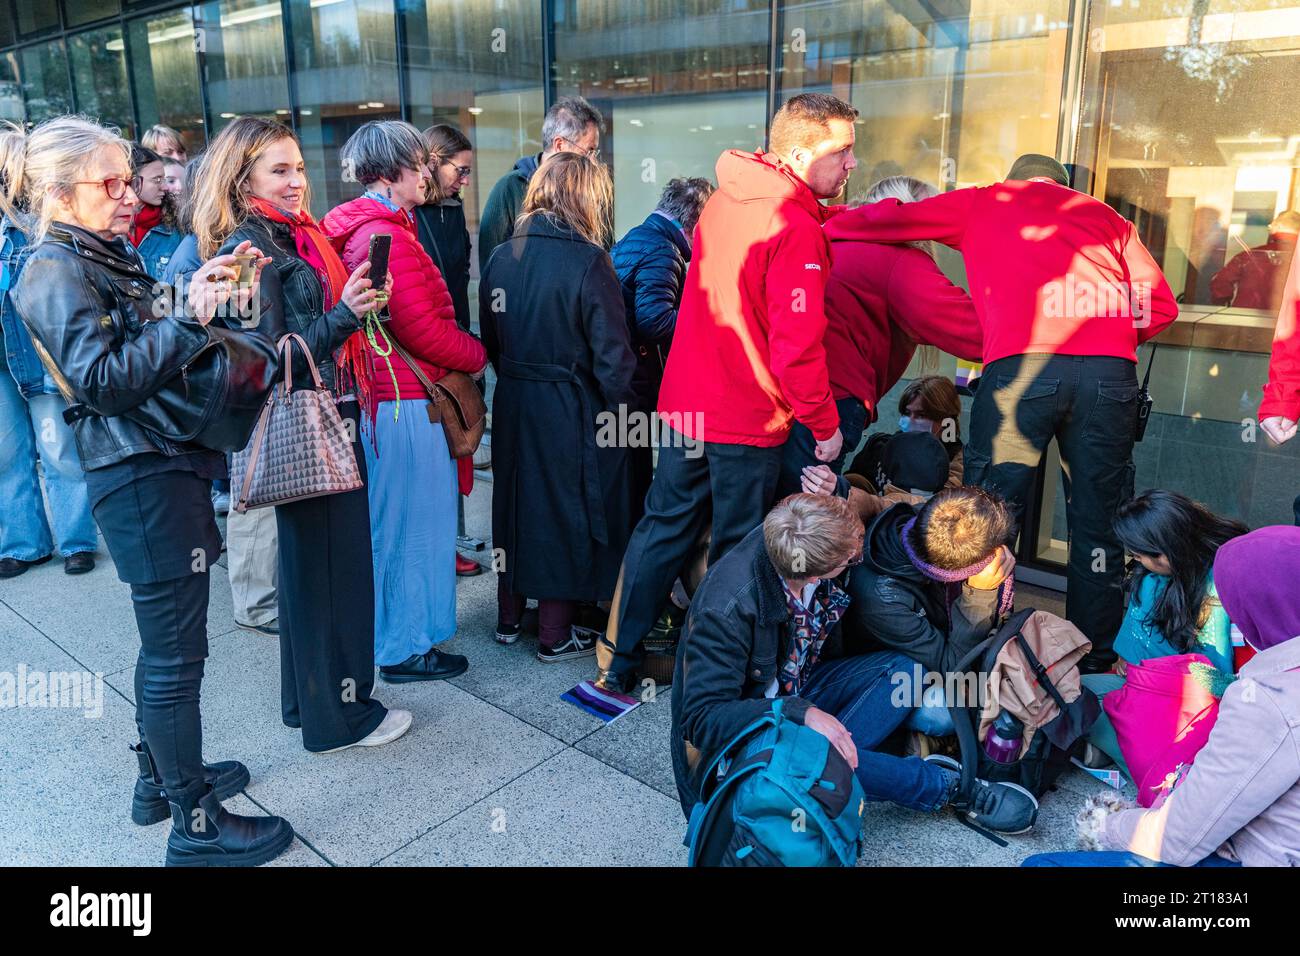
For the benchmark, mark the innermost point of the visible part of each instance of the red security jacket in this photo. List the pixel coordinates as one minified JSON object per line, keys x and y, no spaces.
{"x":422,"y":317}
{"x":1282,"y":391}
{"x":882,"y":301}
{"x":747,"y":355}
{"x":1050,"y":269}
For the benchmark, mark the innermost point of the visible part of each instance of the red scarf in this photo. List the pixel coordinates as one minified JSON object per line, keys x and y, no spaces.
{"x":355,"y":373}
{"x":148,"y":217}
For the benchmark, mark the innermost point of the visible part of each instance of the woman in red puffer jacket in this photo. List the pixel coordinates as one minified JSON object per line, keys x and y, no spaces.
{"x":413,"y":480}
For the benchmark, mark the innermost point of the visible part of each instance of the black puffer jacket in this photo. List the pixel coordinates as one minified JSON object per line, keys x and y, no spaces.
{"x":736,"y":634}
{"x":651,"y":262}
{"x":445,"y":237}
{"x":296,"y":302}
{"x":896,"y":607}
{"x":90,"y":306}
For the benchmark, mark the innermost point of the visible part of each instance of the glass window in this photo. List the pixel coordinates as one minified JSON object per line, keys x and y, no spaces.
{"x":43,"y":71}
{"x":11,"y":91}
{"x":163,"y":58}
{"x":99,"y":78}
{"x":7,"y":35}
{"x":345,"y":73}
{"x":77,"y":12}
{"x":242,"y":46}
{"x":678,"y":83}
{"x":36,"y":16}
{"x":477,"y":65}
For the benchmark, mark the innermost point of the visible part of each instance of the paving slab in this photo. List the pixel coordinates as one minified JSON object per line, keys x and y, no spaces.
{"x":638,"y":743}
{"x":572,"y":810}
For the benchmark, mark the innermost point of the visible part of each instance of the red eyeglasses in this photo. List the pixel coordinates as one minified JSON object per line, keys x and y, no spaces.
{"x":114,"y":186}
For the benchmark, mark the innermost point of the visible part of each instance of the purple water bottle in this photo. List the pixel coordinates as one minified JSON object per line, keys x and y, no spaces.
{"x":1002,"y":745}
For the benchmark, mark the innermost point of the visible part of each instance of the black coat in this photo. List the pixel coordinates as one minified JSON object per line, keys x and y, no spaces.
{"x":445,"y":237}
{"x":736,"y":636}
{"x":561,"y":505}
{"x":651,"y":262}
{"x":896,"y":607}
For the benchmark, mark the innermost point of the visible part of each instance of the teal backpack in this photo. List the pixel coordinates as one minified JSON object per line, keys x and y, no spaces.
{"x":778,"y":795}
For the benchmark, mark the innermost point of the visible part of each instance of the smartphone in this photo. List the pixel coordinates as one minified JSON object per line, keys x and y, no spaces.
{"x":380,"y":243}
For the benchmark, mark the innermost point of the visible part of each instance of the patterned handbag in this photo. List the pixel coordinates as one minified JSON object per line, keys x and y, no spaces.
{"x":301,"y":447}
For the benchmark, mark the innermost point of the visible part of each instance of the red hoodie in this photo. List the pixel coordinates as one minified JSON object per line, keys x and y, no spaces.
{"x":747,"y":355}
{"x":1050,"y":269}
{"x":1282,"y":391}
{"x":882,"y":301}
{"x":422,"y":317}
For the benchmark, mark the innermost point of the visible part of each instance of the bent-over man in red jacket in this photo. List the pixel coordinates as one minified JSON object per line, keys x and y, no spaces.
{"x":1065,"y":292}
{"x":747,"y":360}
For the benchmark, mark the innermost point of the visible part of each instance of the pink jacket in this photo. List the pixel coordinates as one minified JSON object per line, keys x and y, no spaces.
{"x":1241,"y":797}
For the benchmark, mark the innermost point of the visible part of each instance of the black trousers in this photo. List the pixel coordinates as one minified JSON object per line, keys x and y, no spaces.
{"x":156,"y":527}
{"x":1088,"y":403}
{"x":729,"y":486}
{"x":800,"y":448}
{"x":327,"y":615}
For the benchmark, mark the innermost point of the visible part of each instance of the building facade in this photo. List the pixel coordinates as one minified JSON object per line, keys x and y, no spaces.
{"x":1179,"y":113}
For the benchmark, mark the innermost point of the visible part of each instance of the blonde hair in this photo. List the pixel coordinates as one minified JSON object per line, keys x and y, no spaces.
{"x":808,"y":536}
{"x":220,"y":195}
{"x":159,"y":136}
{"x":46,"y":163}
{"x":570,"y":188}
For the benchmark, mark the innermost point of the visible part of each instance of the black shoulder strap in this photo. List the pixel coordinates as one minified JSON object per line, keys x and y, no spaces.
{"x":1150,"y":361}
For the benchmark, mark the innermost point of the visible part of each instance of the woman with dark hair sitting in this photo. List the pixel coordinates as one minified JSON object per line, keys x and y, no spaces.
{"x":1173,"y":605}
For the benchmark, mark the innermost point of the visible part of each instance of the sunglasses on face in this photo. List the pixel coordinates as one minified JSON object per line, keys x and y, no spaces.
{"x":114,"y":186}
{"x":462,"y":172}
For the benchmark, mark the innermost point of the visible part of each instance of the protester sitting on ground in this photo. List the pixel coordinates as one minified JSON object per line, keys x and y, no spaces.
{"x":1173,"y":607}
{"x":1239,"y":802}
{"x":166,"y":142}
{"x":764,"y":624}
{"x":882,"y":301}
{"x":413,"y":483}
{"x":109,"y":347}
{"x":934,"y":582}
{"x":552,"y":318}
{"x":571,"y":125}
{"x":651,"y":262}
{"x":153,"y":233}
{"x":1065,"y":291}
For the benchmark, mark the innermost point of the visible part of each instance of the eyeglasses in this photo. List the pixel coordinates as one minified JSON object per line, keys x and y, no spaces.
{"x":854,"y":561}
{"x":152,"y":180}
{"x":462,"y":172}
{"x":114,"y":186}
{"x":593,"y":154}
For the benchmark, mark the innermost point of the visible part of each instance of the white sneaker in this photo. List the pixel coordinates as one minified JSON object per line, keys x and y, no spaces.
{"x":395,"y":723}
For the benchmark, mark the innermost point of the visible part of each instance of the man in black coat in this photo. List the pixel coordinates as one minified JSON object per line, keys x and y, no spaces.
{"x":901,"y":600}
{"x":763,"y":624}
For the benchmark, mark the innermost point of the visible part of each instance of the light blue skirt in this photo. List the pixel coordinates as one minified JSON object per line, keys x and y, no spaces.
{"x":412,"y":490}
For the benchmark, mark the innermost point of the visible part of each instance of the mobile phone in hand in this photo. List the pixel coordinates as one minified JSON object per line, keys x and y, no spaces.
{"x":380,"y":243}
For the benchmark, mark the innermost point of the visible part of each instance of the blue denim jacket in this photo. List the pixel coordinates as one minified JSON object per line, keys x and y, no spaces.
{"x":20,"y":355}
{"x":157,"y":248}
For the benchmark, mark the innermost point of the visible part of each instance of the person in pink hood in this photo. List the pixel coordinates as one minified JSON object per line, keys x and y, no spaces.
{"x":1239,"y":803}
{"x":413,"y":481}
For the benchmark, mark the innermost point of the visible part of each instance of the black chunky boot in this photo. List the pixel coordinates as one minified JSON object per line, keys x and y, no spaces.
{"x":205,"y":834}
{"x":149,"y":806}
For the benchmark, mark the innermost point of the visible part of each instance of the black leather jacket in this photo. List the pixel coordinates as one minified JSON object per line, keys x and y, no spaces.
{"x":297,"y":302}
{"x":90,"y":308}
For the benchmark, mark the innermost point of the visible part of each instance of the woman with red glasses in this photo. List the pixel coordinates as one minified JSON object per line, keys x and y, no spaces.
{"x":93,"y":316}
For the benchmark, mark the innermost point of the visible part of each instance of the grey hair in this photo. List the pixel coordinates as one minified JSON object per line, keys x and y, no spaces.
{"x":47,"y":164}
{"x":381,"y":149}
{"x":904,"y":189}
{"x":569,"y":118}
{"x":684,"y":200}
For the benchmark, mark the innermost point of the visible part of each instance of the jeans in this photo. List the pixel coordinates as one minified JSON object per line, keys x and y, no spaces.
{"x":1088,"y":403}
{"x":730,"y":485}
{"x":932,"y":717}
{"x":1111,"y":858}
{"x":858,"y":692}
{"x":800,"y":448}
{"x":29,"y":427}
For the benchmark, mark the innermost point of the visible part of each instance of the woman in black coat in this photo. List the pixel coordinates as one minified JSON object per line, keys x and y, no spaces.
{"x":552,"y":317}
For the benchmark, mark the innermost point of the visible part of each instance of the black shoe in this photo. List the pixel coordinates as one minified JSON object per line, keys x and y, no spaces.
{"x":577,"y":644}
{"x":12,"y":567}
{"x":1090,"y":664}
{"x":149,"y":806}
{"x":1001,"y":807}
{"x":271,"y":629}
{"x":205,"y":834}
{"x":79,"y":563}
{"x":507,"y":633}
{"x":435,"y":665}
